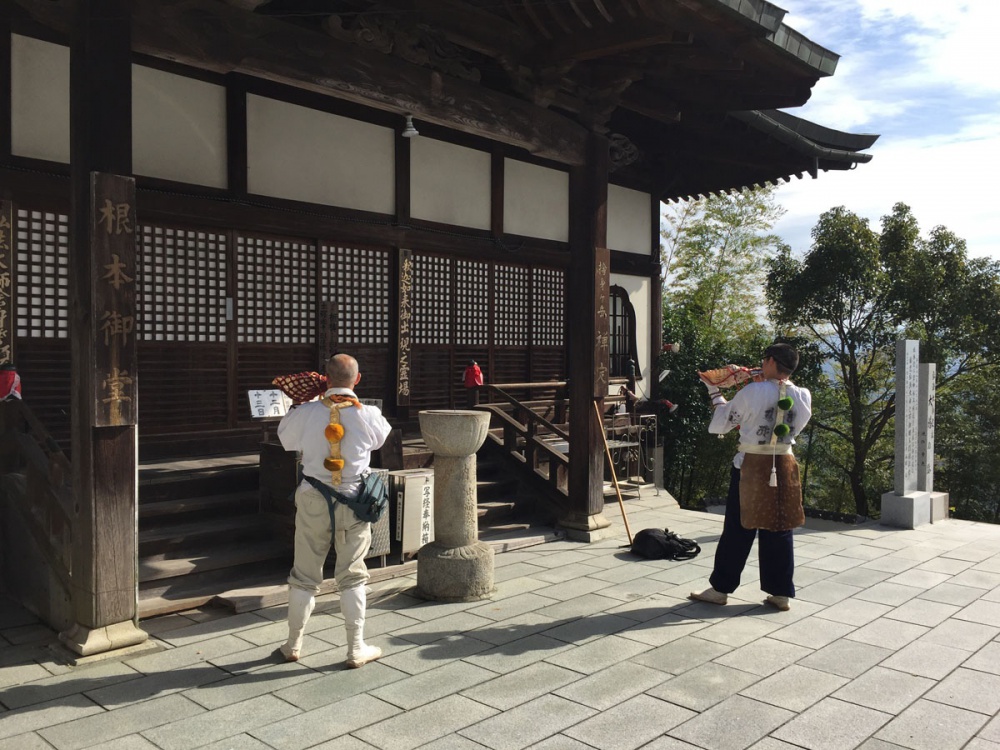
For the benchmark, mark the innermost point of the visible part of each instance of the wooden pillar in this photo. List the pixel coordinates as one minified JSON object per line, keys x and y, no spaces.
{"x":589,"y":275}
{"x":102,"y":331}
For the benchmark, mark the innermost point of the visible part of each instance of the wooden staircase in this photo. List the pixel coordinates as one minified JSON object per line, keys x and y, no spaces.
{"x":201,"y":533}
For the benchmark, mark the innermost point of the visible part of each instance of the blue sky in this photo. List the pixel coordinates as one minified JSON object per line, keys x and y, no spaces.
{"x":921,"y":74}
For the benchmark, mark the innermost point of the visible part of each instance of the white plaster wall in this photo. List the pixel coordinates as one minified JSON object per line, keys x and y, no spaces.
{"x":302,"y":154}
{"x":178,"y":128}
{"x":639,"y":290}
{"x":629,"y":217}
{"x":39,"y":99}
{"x":449,"y":184}
{"x":535,"y":201}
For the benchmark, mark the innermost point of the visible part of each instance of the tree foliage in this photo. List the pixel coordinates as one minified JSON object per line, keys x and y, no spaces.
{"x":715,"y":251}
{"x":853,"y":294}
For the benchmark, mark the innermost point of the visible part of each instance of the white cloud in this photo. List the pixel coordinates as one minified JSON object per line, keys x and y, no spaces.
{"x":912,"y":72}
{"x":945,"y":180}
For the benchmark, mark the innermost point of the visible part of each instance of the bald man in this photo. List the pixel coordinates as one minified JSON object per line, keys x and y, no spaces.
{"x":304,"y":429}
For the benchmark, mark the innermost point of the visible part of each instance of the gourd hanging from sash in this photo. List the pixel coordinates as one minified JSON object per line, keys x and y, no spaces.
{"x":334,"y":432}
{"x":780,"y":429}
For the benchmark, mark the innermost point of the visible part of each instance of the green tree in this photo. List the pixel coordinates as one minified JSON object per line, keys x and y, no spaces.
{"x":968,"y":441}
{"x":715,"y":251}
{"x":854,"y":293}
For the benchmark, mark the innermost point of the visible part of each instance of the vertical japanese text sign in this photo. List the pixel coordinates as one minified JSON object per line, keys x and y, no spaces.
{"x":405,"y":326}
{"x":326,"y":336}
{"x":6,"y":282}
{"x":907,"y":411}
{"x":602,"y":323}
{"x":113,"y":303}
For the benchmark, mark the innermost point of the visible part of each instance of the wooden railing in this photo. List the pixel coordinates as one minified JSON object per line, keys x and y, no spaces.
{"x":534,"y":433}
{"x":37,"y":478}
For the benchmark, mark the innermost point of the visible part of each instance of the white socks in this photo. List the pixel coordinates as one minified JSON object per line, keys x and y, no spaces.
{"x":300,"y":606}
{"x":352,"y":606}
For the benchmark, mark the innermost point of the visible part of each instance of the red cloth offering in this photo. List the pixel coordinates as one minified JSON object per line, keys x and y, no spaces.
{"x":302,"y":386}
{"x":731,"y":376}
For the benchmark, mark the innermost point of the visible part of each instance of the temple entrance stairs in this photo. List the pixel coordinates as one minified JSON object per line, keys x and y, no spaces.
{"x":201,"y":532}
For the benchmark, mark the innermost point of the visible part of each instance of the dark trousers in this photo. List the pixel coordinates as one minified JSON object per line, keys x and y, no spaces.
{"x":774,"y":551}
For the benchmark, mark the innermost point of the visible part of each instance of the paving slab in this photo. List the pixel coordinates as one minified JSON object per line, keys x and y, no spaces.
{"x":885,"y":690}
{"x":734,"y":724}
{"x":612,"y":686}
{"x":927,"y":725}
{"x":832,"y":724}
{"x":894,"y":642}
{"x":110,"y":725}
{"x":795,"y":687}
{"x":527,"y":724}
{"x":629,"y":724}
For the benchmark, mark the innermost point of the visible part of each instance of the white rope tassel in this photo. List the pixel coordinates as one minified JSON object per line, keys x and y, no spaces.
{"x":779,"y":418}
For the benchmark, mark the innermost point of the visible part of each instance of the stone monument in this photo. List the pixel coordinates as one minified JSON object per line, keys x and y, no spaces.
{"x":913,"y":501}
{"x":456,"y":566}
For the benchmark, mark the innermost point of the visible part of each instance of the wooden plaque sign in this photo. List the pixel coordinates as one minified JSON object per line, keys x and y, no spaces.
{"x":113,"y":304}
{"x":326,"y":335}
{"x":405,"y":327}
{"x":602,"y":322}
{"x":6,"y":282}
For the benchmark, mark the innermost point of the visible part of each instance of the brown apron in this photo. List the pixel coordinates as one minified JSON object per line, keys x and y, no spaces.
{"x":765,"y":507}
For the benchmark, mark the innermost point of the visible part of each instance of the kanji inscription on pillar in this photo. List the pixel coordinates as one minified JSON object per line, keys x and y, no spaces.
{"x":907,"y":406}
{"x":404,"y":327}
{"x":113,"y":305}
{"x":602,"y":325}
{"x":326,"y":333}
{"x":6,"y":282}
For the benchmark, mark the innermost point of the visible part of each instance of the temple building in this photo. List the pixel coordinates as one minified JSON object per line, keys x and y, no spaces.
{"x":199,"y":195}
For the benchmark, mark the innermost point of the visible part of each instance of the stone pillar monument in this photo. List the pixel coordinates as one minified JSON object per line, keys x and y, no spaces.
{"x":913,"y":501}
{"x":456,"y":566}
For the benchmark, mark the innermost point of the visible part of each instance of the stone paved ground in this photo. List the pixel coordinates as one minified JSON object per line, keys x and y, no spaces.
{"x":892,"y":642}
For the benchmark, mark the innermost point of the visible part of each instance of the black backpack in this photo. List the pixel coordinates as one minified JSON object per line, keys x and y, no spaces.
{"x":663,"y":544}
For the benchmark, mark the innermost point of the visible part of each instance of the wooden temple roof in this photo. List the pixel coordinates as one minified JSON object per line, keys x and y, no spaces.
{"x":688,"y":91}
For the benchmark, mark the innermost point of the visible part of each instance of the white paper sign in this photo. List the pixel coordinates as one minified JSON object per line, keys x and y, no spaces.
{"x":268,"y":403}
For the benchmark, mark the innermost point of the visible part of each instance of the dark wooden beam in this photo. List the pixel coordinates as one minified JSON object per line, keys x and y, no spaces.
{"x":588,"y":289}
{"x":466,"y":25}
{"x":605,"y":41}
{"x":207,"y":34}
{"x":236,"y":135}
{"x":102,"y":330}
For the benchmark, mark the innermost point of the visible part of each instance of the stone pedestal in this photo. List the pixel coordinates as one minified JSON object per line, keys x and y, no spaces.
{"x":939,"y":506}
{"x":586,"y":527}
{"x":89,"y":641}
{"x":456,"y":567}
{"x":907,"y":511}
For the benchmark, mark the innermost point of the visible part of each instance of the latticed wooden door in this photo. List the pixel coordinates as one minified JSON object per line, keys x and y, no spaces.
{"x":510,"y":318}
{"x":182,"y":329}
{"x":276,"y":311}
{"x":41,"y":293}
{"x":356,"y":282}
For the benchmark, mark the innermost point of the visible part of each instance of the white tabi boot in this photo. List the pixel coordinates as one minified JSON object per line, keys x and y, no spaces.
{"x":300,"y":606}
{"x":352,"y":605}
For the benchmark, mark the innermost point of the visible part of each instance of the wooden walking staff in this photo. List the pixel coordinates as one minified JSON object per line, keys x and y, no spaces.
{"x":614,"y":477}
